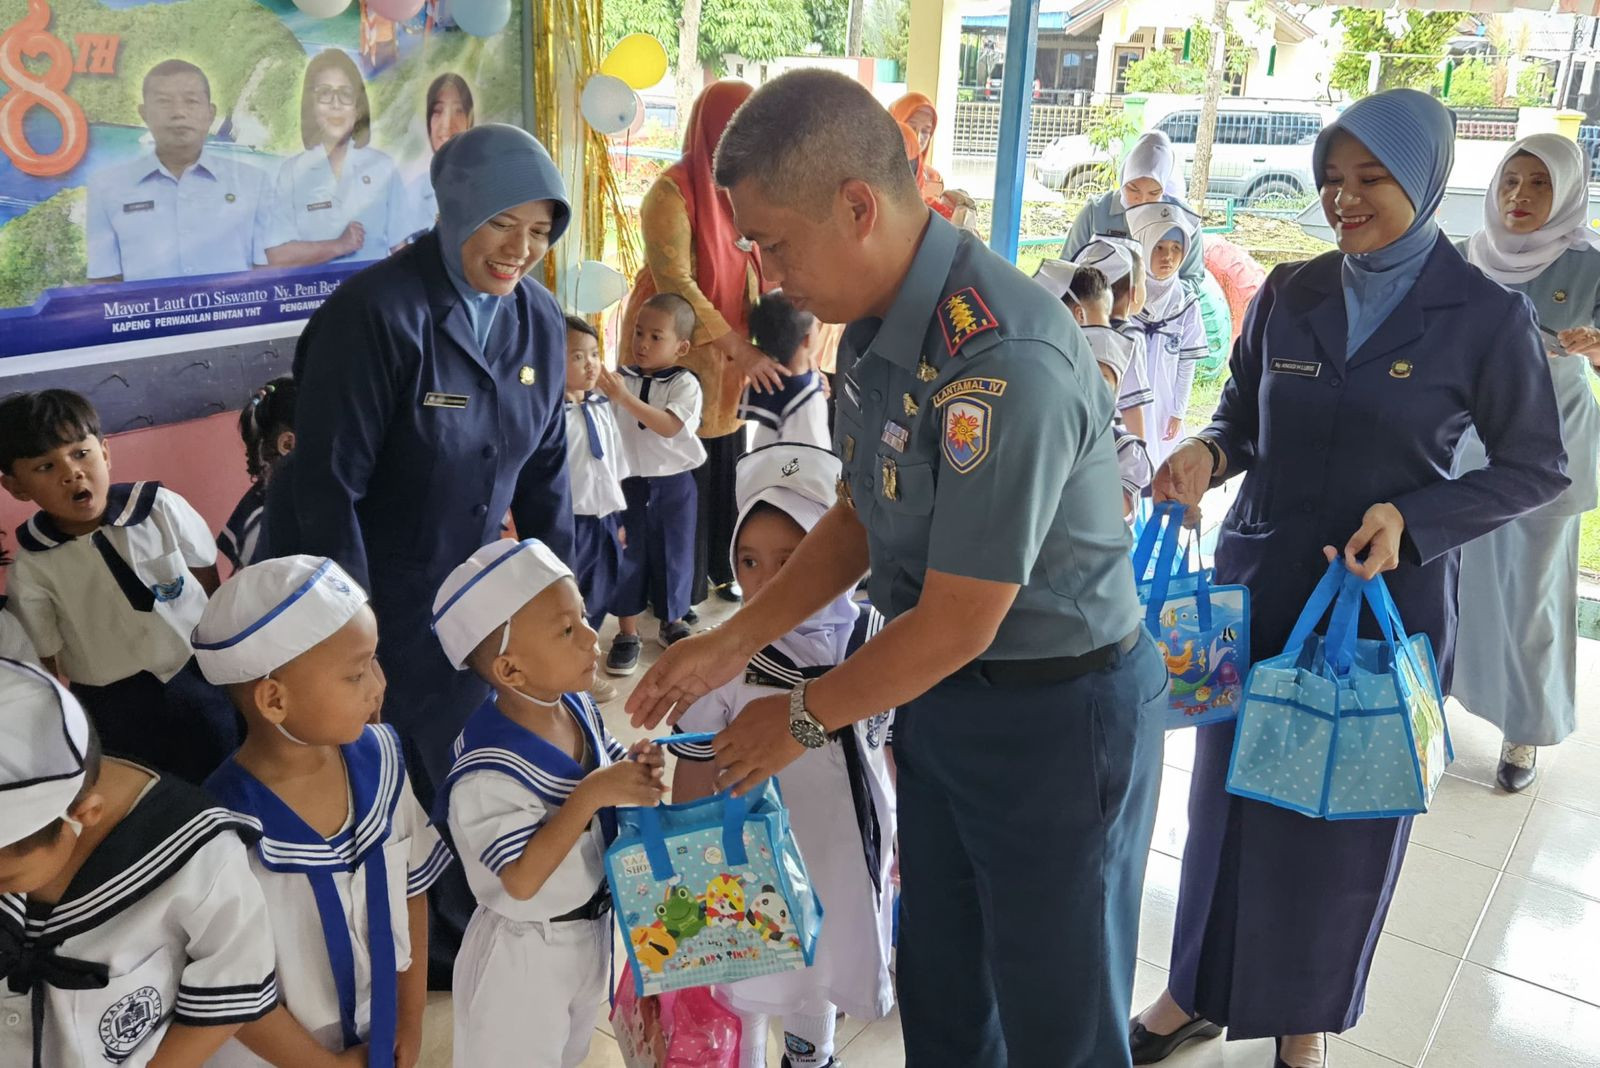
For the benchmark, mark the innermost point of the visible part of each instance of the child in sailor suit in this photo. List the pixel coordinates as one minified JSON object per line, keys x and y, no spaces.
{"x":1175,"y":334}
{"x":596,"y":468}
{"x":131,"y":928}
{"x":840,"y":797}
{"x":798,"y":410}
{"x":529,"y":806}
{"x":346,"y":853}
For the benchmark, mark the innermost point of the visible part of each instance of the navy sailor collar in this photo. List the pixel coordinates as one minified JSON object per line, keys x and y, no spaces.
{"x":492,"y":741}
{"x":127,"y":505}
{"x":376,"y":773}
{"x":663,"y":375}
{"x":588,"y":398}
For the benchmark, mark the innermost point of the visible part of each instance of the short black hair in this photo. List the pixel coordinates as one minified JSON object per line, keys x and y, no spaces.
{"x":268,"y":413}
{"x":578,"y":325}
{"x":1089,"y":284}
{"x":46,"y":836}
{"x":1122,"y":288}
{"x":167,"y":68}
{"x":778,"y":328}
{"x":681,"y":310}
{"x":31,"y":424}
{"x":805,"y":133}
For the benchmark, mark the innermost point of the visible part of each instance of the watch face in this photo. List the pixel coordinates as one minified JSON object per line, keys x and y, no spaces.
{"x":809,"y":734}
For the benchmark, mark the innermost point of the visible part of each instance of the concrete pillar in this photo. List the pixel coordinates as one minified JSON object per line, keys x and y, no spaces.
{"x":933,"y":68}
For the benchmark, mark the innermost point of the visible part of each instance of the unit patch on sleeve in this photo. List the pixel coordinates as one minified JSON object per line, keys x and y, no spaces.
{"x":966,"y":434}
{"x":964,"y":315}
{"x":961,"y":387}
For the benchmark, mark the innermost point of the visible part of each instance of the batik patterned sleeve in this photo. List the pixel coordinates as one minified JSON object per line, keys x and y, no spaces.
{"x":230,"y":978}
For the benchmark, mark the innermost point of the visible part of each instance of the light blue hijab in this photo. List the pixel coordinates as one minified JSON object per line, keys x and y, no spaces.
{"x":478,"y":174}
{"x":1414,"y":136}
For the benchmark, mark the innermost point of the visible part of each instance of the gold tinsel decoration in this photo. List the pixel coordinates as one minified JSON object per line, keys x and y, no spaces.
{"x":571,"y":31}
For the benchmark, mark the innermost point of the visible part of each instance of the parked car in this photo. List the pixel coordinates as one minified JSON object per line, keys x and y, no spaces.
{"x":997,"y":74}
{"x":1261,"y":153}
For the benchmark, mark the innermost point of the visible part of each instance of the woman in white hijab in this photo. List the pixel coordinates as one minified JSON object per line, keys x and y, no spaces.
{"x":1151,"y":172}
{"x":1516,"y":652}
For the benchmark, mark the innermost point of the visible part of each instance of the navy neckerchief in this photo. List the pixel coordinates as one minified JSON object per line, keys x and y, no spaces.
{"x":492,"y":741}
{"x":596,"y":449}
{"x":127,"y":504}
{"x":666,"y":374}
{"x":769,"y":409}
{"x":376,"y":773}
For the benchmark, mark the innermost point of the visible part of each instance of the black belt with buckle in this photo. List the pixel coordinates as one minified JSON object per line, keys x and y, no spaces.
{"x":596,"y":907}
{"x":1019,"y":674}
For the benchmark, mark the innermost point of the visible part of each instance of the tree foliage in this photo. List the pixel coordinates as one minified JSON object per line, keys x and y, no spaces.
{"x":1479,"y":83}
{"x":43,"y":248}
{"x":887,"y":33}
{"x":1414,"y":44}
{"x":758,"y":30}
{"x":1163,"y":71}
{"x":830,"y":23}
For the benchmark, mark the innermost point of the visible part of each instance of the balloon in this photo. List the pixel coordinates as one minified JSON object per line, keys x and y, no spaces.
{"x":481,"y":18}
{"x":598,"y":288}
{"x":608,"y":104}
{"x":637,"y":59}
{"x":638,"y":119}
{"x":399,"y":10}
{"x":322,"y":9}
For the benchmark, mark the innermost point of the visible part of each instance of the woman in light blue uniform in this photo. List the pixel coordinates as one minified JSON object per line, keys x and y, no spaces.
{"x":1151,"y":172}
{"x":340,"y":199}
{"x":1517,"y":665}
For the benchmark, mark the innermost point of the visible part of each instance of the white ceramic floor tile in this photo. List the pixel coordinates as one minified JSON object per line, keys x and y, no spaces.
{"x":1221,"y":1053}
{"x":878,"y":1046}
{"x":1559,"y":847}
{"x":1179,"y":751}
{"x":1405,"y":994}
{"x":1439,"y":900}
{"x":1149,"y":980}
{"x":1571,"y":776}
{"x":1342,"y":1054}
{"x":1495,"y":1021}
{"x":1172,"y":811}
{"x":436,"y":1027}
{"x":1159,"y":908}
{"x":1472,"y":821}
{"x":1542,"y":935}
{"x":1476,"y":743}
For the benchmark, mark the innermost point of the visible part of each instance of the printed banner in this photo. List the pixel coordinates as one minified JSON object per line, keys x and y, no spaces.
{"x":170,"y":167}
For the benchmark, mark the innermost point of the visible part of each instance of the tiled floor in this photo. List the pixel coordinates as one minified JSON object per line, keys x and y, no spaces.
{"x":1491,"y":954}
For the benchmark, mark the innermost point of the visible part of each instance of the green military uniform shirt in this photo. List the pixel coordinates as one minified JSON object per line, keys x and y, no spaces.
{"x":975,"y":431}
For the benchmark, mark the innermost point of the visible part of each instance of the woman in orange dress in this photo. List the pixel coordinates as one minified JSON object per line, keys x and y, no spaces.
{"x":692,"y":248}
{"x":917,"y":111}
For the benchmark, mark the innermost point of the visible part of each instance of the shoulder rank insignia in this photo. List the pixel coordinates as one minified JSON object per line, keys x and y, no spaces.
{"x":963,"y":315}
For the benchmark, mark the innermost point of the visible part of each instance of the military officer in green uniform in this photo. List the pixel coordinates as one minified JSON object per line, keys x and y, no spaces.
{"x":981,"y":489}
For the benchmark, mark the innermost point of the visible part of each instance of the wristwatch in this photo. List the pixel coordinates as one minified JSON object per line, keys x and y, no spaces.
{"x":802,"y":724}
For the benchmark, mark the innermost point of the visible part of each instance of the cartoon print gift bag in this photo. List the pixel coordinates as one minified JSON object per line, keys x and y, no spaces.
{"x":712,"y":892}
{"x":1201,"y":630}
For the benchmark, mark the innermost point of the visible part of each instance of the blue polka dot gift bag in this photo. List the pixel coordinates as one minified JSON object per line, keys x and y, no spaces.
{"x":1339,"y":727}
{"x":711,"y":891}
{"x":1202,"y":630}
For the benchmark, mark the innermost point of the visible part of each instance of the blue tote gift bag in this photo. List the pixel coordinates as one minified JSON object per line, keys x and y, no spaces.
{"x":1339,"y":727}
{"x":711,"y":891}
{"x":1202,"y":630}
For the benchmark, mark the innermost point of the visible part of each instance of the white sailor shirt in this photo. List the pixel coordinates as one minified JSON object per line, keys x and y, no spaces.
{"x":796,"y":412}
{"x":505,"y":783}
{"x":318,"y":955}
{"x":121,"y":600}
{"x":14,"y":641}
{"x":166,"y":909}
{"x":675,"y":390}
{"x":1135,"y":391}
{"x":596,"y":480}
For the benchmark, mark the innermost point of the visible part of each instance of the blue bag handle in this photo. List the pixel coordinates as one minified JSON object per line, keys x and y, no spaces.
{"x":1317,"y":606}
{"x":735,"y":811}
{"x":1189,"y":564}
{"x":1342,"y":626}
{"x":1165,"y":516}
{"x":1168,"y":527}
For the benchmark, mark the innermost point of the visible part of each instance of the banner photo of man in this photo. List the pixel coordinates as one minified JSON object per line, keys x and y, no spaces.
{"x":187,"y":166}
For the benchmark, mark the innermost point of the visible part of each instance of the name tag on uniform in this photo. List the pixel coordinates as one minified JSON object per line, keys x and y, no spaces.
{"x":138,"y":205}
{"x":895,"y":436}
{"x":445,"y":400}
{"x":1303,"y":368}
{"x":321,"y":205}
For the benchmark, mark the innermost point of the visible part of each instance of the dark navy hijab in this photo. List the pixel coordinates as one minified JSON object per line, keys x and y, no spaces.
{"x":478,"y":174}
{"x":1414,"y":136}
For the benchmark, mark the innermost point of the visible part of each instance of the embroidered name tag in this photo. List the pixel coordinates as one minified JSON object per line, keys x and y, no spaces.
{"x":138,"y":205}
{"x":961,"y":387}
{"x":321,"y":205}
{"x":1303,"y":368}
{"x":445,"y":400}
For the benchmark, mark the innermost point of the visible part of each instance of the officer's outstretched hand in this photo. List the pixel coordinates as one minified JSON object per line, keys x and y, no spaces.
{"x":1184,"y":477}
{"x":756,"y":746}
{"x":687,"y":671}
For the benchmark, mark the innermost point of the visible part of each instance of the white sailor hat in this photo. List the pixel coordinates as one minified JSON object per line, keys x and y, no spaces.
{"x":467,"y":609}
{"x":44,"y":738}
{"x":801,"y":481}
{"x":1056,"y":277}
{"x":271,"y":612}
{"x":1111,"y":256}
{"x":1150,"y":224}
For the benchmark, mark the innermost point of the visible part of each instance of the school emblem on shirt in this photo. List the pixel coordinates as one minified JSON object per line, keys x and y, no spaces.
{"x":966,"y":434}
{"x":792,"y":467}
{"x":129,"y":1022}
{"x":526,"y":376}
{"x":168,"y":591}
{"x":964,"y":315}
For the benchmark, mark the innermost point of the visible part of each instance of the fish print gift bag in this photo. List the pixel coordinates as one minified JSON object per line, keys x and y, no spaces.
{"x":713,"y":891}
{"x":1202,"y":630}
{"x":1340,"y":727}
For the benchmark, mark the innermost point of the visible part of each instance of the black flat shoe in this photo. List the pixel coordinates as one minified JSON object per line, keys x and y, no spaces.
{"x":1514,"y":778}
{"x":1150,"y":1048}
{"x":730,"y":593}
